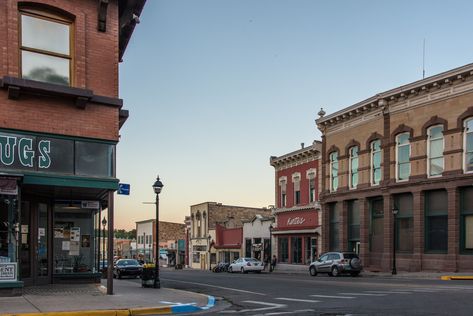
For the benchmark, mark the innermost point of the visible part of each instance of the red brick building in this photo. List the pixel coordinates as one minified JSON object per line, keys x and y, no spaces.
{"x":296,"y":235}
{"x":60,"y":118}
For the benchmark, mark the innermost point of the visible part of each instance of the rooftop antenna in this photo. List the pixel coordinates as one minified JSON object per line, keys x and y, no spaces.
{"x":423,"y":61}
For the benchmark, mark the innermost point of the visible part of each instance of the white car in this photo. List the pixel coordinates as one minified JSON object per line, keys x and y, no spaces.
{"x":244,"y":265}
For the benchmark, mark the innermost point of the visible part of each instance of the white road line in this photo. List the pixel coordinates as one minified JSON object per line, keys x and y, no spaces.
{"x":363,"y":294}
{"x":332,"y":296}
{"x":389,"y":292}
{"x":424,"y":290}
{"x":296,"y":300}
{"x":269,"y":306}
{"x":216,"y":286}
{"x":289,"y":313}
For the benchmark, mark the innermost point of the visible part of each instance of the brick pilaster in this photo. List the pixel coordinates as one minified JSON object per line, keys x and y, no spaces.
{"x":364,"y":231}
{"x":343,"y":242}
{"x":386,"y":261}
{"x":453,"y":229}
{"x":418,"y":213}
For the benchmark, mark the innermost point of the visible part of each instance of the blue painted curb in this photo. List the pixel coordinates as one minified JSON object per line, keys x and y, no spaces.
{"x":189,"y":308}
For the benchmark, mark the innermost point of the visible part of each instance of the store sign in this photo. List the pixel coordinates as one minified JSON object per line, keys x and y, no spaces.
{"x":20,"y":149}
{"x":8,"y":271}
{"x":90,"y":204}
{"x":295,"y":221}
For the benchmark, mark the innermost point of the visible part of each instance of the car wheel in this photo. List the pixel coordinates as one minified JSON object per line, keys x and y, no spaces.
{"x":335,"y":272}
{"x":354,"y":274}
{"x":258,"y":271}
{"x":230,"y":270}
{"x":242,"y":270}
{"x":313,"y":271}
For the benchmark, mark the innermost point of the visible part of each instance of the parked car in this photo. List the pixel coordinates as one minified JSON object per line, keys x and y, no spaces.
{"x":244,"y":265}
{"x":336,"y":263}
{"x":127,"y":267}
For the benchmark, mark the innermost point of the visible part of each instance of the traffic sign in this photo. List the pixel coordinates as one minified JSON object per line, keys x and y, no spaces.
{"x":123,"y":189}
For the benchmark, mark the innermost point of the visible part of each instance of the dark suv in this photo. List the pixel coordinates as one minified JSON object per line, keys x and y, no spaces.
{"x":335,"y":263}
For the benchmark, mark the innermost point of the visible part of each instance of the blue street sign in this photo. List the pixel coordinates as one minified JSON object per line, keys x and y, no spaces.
{"x":123,"y":189}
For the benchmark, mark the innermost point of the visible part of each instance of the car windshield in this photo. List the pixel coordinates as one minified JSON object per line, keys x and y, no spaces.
{"x":251,"y":259}
{"x":127,"y":263}
{"x":350,"y":255}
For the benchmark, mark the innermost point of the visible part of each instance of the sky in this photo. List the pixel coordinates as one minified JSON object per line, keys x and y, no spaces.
{"x":216,"y":87}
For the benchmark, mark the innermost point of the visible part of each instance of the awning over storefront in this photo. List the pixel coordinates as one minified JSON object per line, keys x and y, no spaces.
{"x":317,"y":230}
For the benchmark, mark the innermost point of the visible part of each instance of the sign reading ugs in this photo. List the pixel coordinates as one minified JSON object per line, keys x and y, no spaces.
{"x":20,"y":149}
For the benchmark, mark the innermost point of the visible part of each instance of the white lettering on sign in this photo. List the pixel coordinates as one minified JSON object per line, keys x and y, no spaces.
{"x":8,"y":271}
{"x":295,"y":221}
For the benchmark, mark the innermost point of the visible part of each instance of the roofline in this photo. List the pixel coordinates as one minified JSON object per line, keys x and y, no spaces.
{"x":315,"y":146}
{"x":221,"y":204}
{"x":127,"y":22}
{"x":410,"y":88}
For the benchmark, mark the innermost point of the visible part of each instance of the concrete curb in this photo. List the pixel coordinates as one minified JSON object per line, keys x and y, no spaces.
{"x":161,"y":310}
{"x":456,"y":277}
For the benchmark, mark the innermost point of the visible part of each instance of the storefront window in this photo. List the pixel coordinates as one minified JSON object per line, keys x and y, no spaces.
{"x":73,"y":239}
{"x":248,"y":247}
{"x":283,"y":249}
{"x":404,"y":222}
{"x":353,"y":225}
{"x":334,"y":226}
{"x":466,"y":218}
{"x":296,"y":245}
{"x":94,"y":159}
{"x":307,"y":253}
{"x":436,"y":221}
{"x":8,"y":240}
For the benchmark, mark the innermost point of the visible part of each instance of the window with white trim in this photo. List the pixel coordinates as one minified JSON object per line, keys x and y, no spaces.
{"x":403,"y":153}
{"x":296,"y":181}
{"x":435,"y":151}
{"x":334,"y":171}
{"x":375,"y":162}
{"x":311,"y":178}
{"x":353,"y":167}
{"x":282,"y":188}
{"x":468,"y":164}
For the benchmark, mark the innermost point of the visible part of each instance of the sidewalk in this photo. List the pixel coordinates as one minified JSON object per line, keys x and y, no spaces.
{"x":129,"y":299}
{"x":432,"y":275}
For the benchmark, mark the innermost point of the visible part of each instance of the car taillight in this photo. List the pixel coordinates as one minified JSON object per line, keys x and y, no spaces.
{"x":248,"y":264}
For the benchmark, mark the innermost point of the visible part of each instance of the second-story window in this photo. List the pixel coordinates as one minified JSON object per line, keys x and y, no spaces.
{"x":199,"y":225}
{"x":375,"y":162}
{"x":311,"y":176}
{"x":435,"y":151}
{"x":353,"y":167}
{"x":469,"y":145}
{"x":403,"y":153}
{"x":45,"y":47}
{"x":333,"y":171}
{"x":282,"y":188}
{"x":296,"y":181}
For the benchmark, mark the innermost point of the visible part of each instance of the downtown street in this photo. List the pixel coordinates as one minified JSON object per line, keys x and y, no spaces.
{"x":299,"y":294}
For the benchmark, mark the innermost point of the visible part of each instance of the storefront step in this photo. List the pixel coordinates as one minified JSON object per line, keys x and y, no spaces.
{"x":13,"y":288}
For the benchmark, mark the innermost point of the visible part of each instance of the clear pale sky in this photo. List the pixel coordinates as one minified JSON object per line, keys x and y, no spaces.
{"x":215,"y":87}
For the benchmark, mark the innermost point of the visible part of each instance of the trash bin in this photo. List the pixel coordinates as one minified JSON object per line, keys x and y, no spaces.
{"x":147,"y":276}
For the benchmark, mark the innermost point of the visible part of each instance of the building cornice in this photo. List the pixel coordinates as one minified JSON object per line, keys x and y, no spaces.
{"x":303,"y":155}
{"x":439,"y":86}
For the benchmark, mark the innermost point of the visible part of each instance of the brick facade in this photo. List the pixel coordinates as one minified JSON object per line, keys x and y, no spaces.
{"x":442,"y":100}
{"x":297,"y":210}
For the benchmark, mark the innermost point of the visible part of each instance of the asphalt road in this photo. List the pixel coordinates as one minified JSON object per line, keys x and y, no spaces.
{"x":298,"y":294}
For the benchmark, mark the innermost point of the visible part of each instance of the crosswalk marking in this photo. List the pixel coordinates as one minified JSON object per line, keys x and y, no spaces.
{"x":296,"y":300}
{"x":389,"y":292}
{"x":332,"y":296}
{"x":363,"y":294}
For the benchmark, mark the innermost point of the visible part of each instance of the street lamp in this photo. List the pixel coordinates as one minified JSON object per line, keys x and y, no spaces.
{"x":104,"y":224}
{"x":157,"y":187}
{"x":395,"y":211}
{"x":270,"y":246}
{"x":210,"y":263}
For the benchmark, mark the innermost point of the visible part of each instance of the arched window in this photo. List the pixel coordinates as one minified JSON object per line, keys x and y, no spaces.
{"x":468,"y":141}
{"x":375,"y":176}
{"x":296,"y":182}
{"x":282,"y":189}
{"x":45,"y":46}
{"x":435,"y":147}
{"x":333,"y":171}
{"x":353,"y":167}
{"x":199,"y":224}
{"x":403,"y":153}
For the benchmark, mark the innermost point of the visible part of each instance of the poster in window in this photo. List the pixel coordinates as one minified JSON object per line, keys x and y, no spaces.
{"x":58,"y":232}
{"x":85,"y":240}
{"x":74,"y":248}
{"x":469,"y":232}
{"x":75,"y":234}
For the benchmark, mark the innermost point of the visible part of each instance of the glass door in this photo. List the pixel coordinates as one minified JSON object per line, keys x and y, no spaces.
{"x":42,"y":244}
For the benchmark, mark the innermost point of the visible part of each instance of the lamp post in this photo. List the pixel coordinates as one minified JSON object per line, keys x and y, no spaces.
{"x":270,"y":246}
{"x":210,"y":263}
{"x":144,"y":246}
{"x":157,"y":187}
{"x":395,"y":211}
{"x":104,"y":224}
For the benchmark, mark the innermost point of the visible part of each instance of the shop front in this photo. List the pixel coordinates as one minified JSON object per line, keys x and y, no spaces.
{"x":53,"y":191}
{"x":297,"y":236}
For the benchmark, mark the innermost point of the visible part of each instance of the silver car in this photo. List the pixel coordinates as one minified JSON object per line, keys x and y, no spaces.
{"x":335,"y":263}
{"x":244,"y":265}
